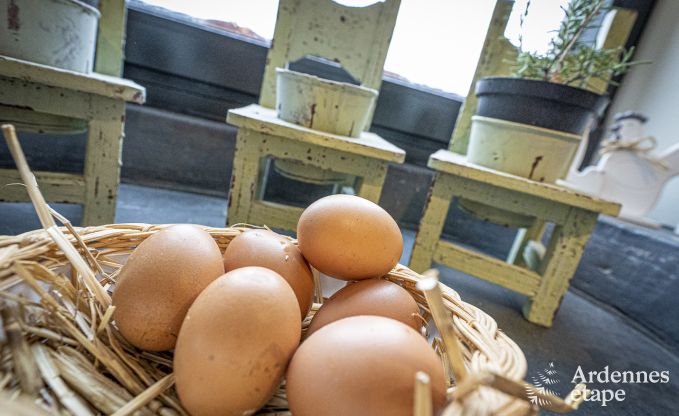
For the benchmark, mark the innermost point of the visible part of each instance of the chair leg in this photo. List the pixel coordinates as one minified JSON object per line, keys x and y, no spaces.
{"x":244,"y":178}
{"x":370,"y":186}
{"x":102,"y":164}
{"x":559,"y":264}
{"x":523,"y":237}
{"x":431,"y":224}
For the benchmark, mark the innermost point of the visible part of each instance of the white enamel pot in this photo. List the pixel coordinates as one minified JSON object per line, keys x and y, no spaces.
{"x":58,"y":33}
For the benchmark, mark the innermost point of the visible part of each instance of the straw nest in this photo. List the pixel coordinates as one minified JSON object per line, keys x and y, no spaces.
{"x":61,"y":353}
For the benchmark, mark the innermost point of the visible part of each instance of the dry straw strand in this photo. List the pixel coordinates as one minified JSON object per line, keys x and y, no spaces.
{"x":423,"y":402}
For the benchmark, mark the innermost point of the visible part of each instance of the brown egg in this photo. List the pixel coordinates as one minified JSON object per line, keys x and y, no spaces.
{"x":362,"y":365}
{"x":271,"y":250}
{"x":236,"y":342}
{"x":369,"y":297}
{"x":349,"y":238}
{"x":159,"y":282}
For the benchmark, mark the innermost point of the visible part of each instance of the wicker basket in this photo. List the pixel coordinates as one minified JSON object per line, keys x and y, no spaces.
{"x":60,"y":352}
{"x":486,"y":348}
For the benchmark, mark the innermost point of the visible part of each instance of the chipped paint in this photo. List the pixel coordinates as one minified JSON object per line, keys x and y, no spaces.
{"x":13,"y":20}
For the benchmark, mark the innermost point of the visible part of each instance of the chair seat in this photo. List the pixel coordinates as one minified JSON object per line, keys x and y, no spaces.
{"x":264,"y":120}
{"x":92,"y":83}
{"x":456,"y":164}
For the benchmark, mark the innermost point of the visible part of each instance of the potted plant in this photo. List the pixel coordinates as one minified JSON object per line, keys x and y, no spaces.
{"x":553,"y":90}
{"x":531,"y":123}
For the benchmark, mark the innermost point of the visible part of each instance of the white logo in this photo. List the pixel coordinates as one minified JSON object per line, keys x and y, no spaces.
{"x":603,"y":386}
{"x":543,"y":383}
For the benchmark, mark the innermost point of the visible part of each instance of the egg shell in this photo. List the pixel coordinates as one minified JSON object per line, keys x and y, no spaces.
{"x":362,"y":365}
{"x":160,"y":280}
{"x":369,"y":297}
{"x":349,"y":238}
{"x":236,"y":342}
{"x":268,"y":249}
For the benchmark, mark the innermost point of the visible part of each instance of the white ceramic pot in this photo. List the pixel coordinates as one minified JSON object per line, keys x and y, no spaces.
{"x":59,"y":33}
{"x":320,"y":104}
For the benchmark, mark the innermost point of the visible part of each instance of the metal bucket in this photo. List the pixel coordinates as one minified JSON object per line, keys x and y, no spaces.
{"x":324,"y":105}
{"x":532,"y":152}
{"x":321,"y":104}
{"x":535,"y":153}
{"x":58,"y":33}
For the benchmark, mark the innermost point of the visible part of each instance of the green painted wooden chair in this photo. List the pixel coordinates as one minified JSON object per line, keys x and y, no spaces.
{"x":41,"y":98}
{"x":542,"y":274}
{"x":357,"y":38}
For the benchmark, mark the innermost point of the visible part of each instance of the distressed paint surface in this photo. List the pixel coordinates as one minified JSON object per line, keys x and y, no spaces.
{"x":355,"y":37}
{"x":252,"y":147}
{"x":558,"y":266}
{"x":111,"y":38}
{"x":496,"y":59}
{"x":93,"y":83}
{"x":458,"y":165}
{"x":103,"y":162}
{"x":56,"y":187}
{"x":496,"y":271}
{"x":97,"y":99}
{"x":264,"y":120}
{"x":547,"y":281}
{"x":619,"y":23}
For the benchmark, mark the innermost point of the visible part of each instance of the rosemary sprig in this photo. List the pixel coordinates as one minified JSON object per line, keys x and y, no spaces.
{"x":570,"y":61}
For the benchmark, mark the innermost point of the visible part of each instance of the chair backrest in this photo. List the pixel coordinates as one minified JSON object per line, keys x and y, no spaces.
{"x":110,"y":38}
{"x":496,"y":59}
{"x":355,"y":37}
{"x":498,"y":55}
{"x":614,"y":32}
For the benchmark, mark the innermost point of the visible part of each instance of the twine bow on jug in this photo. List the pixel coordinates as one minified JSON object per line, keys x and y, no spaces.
{"x":642,"y":146}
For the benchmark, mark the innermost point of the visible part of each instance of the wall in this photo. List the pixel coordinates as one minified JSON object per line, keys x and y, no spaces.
{"x":654,"y":90}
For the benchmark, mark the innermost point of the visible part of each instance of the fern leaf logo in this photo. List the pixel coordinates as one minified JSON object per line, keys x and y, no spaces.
{"x":543,"y":383}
